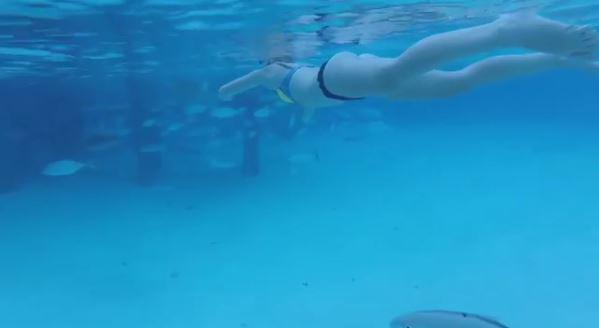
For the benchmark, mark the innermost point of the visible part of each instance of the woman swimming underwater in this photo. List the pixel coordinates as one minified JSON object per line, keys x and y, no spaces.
{"x":415,"y":73}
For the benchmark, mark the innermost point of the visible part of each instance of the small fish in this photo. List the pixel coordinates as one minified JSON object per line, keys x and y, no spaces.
{"x":122,"y":132}
{"x":304,"y":158}
{"x":332,"y":128}
{"x":262,"y":113}
{"x":225,"y":112}
{"x":222,"y":164}
{"x":354,"y":138}
{"x":173,"y":127}
{"x":151,"y":148}
{"x":444,"y":319}
{"x":292,"y":122}
{"x":196,"y":109}
{"x":378,"y":127}
{"x":13,"y":134}
{"x":63,"y":168}
{"x":149,"y":123}
{"x":203,"y":132}
{"x":102,"y":141}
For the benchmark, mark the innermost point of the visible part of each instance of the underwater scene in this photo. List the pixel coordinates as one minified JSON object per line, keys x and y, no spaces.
{"x":299,"y":164}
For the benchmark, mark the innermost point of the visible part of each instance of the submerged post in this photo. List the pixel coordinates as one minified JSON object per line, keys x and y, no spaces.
{"x":251,"y":146}
{"x":149,"y":156}
{"x":10,"y":170}
{"x":146,"y":133}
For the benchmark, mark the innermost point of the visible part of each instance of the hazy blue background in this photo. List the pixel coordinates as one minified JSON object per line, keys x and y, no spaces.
{"x":485,"y":203}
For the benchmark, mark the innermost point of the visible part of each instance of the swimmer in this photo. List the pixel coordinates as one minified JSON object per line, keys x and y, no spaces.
{"x":415,"y":74}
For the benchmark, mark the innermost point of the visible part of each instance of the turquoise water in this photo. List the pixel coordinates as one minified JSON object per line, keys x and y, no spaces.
{"x":485,"y":202}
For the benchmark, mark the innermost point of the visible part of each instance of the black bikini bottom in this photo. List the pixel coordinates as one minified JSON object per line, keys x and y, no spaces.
{"x":326,"y":91}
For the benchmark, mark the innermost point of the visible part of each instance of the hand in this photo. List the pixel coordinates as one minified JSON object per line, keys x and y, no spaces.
{"x":223,"y":95}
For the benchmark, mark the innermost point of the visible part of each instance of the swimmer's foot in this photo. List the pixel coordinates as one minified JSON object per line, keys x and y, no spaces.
{"x":534,"y":32}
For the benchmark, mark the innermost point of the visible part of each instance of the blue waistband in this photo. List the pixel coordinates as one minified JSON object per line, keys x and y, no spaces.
{"x":285,"y":86}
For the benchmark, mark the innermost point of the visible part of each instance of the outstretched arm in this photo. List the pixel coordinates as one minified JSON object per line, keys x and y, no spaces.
{"x":269,"y":77}
{"x":242,"y":84}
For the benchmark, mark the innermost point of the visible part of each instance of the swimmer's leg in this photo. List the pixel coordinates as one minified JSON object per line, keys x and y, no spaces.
{"x":440,"y":84}
{"x":522,"y":30}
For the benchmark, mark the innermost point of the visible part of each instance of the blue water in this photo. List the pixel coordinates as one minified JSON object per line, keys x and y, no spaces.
{"x":485,"y":202}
